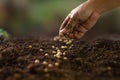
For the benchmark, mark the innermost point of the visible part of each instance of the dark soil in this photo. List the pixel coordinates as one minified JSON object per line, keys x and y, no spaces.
{"x":23,"y":59}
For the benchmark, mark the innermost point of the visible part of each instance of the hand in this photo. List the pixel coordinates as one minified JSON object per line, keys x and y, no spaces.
{"x":79,"y":21}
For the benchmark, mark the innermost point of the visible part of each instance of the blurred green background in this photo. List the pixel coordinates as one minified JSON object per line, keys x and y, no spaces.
{"x":44,"y":17}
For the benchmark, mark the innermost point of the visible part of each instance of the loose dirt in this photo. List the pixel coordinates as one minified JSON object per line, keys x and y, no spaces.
{"x":59,"y":59}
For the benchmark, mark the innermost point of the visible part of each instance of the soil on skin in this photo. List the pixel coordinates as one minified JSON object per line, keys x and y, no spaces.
{"x":24,"y":59}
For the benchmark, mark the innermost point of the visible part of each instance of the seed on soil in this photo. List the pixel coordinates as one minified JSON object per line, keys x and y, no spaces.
{"x":30,"y":46}
{"x":41,"y":49}
{"x":45,"y":62}
{"x":53,"y":46}
{"x":56,"y":38}
{"x":37,"y":61}
{"x":58,"y":56}
{"x":65,"y":58}
{"x":50,"y":65}
{"x":57,"y":64}
{"x":54,"y":52}
{"x":63,"y":47}
{"x":46,"y":54}
{"x":69,"y":42}
{"x":64,"y":53}
{"x":109,"y":68}
{"x":45,"y":70}
{"x":56,"y":48}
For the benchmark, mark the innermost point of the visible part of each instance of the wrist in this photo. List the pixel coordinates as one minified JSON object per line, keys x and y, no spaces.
{"x":96,"y":6}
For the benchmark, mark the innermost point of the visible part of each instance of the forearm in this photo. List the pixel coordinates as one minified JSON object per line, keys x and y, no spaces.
{"x":103,"y":6}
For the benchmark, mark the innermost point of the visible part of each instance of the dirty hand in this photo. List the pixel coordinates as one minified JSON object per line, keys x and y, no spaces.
{"x":79,"y":21}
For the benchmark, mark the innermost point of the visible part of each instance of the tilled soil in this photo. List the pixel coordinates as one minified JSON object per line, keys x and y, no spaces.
{"x":48,"y":59}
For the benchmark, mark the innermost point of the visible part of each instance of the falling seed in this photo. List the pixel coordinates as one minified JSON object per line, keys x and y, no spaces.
{"x":57,"y":64}
{"x":65,"y":58}
{"x":41,"y":49}
{"x":45,"y":70}
{"x":45,"y":62}
{"x":50,"y":65}
{"x":37,"y":61}
{"x":30,"y":46}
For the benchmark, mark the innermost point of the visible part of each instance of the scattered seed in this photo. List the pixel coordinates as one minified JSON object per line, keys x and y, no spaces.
{"x":109,"y":68}
{"x":64,"y":53}
{"x":37,"y":61}
{"x":53,"y":46}
{"x":69,"y":42}
{"x":47,"y":75}
{"x":58,"y":56}
{"x":65,"y":41}
{"x":45,"y":70}
{"x":41,"y":49}
{"x":30,"y":46}
{"x":54,"y":52}
{"x":65,"y":58}
{"x":46,"y":54}
{"x":50,"y":65}
{"x":45,"y":62}
{"x":56,"y":48}
{"x":63,"y":47}
{"x":57,"y":64}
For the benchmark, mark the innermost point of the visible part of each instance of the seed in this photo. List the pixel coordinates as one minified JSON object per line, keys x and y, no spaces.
{"x":58,"y":56}
{"x":65,"y":41}
{"x":46,"y":54}
{"x":63,"y":47}
{"x":45,"y":62}
{"x":57,"y":64}
{"x":53,"y":46}
{"x":56,"y":38}
{"x":30,"y":46}
{"x":59,"y":53}
{"x":64,"y":53}
{"x":65,"y":58}
{"x":37,"y":61}
{"x":54,"y":52}
{"x":69,"y":42}
{"x":41,"y":49}
{"x":57,"y":48}
{"x":50,"y":65}
{"x":109,"y":68}
{"x":60,"y":40}
{"x":45,"y":70}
